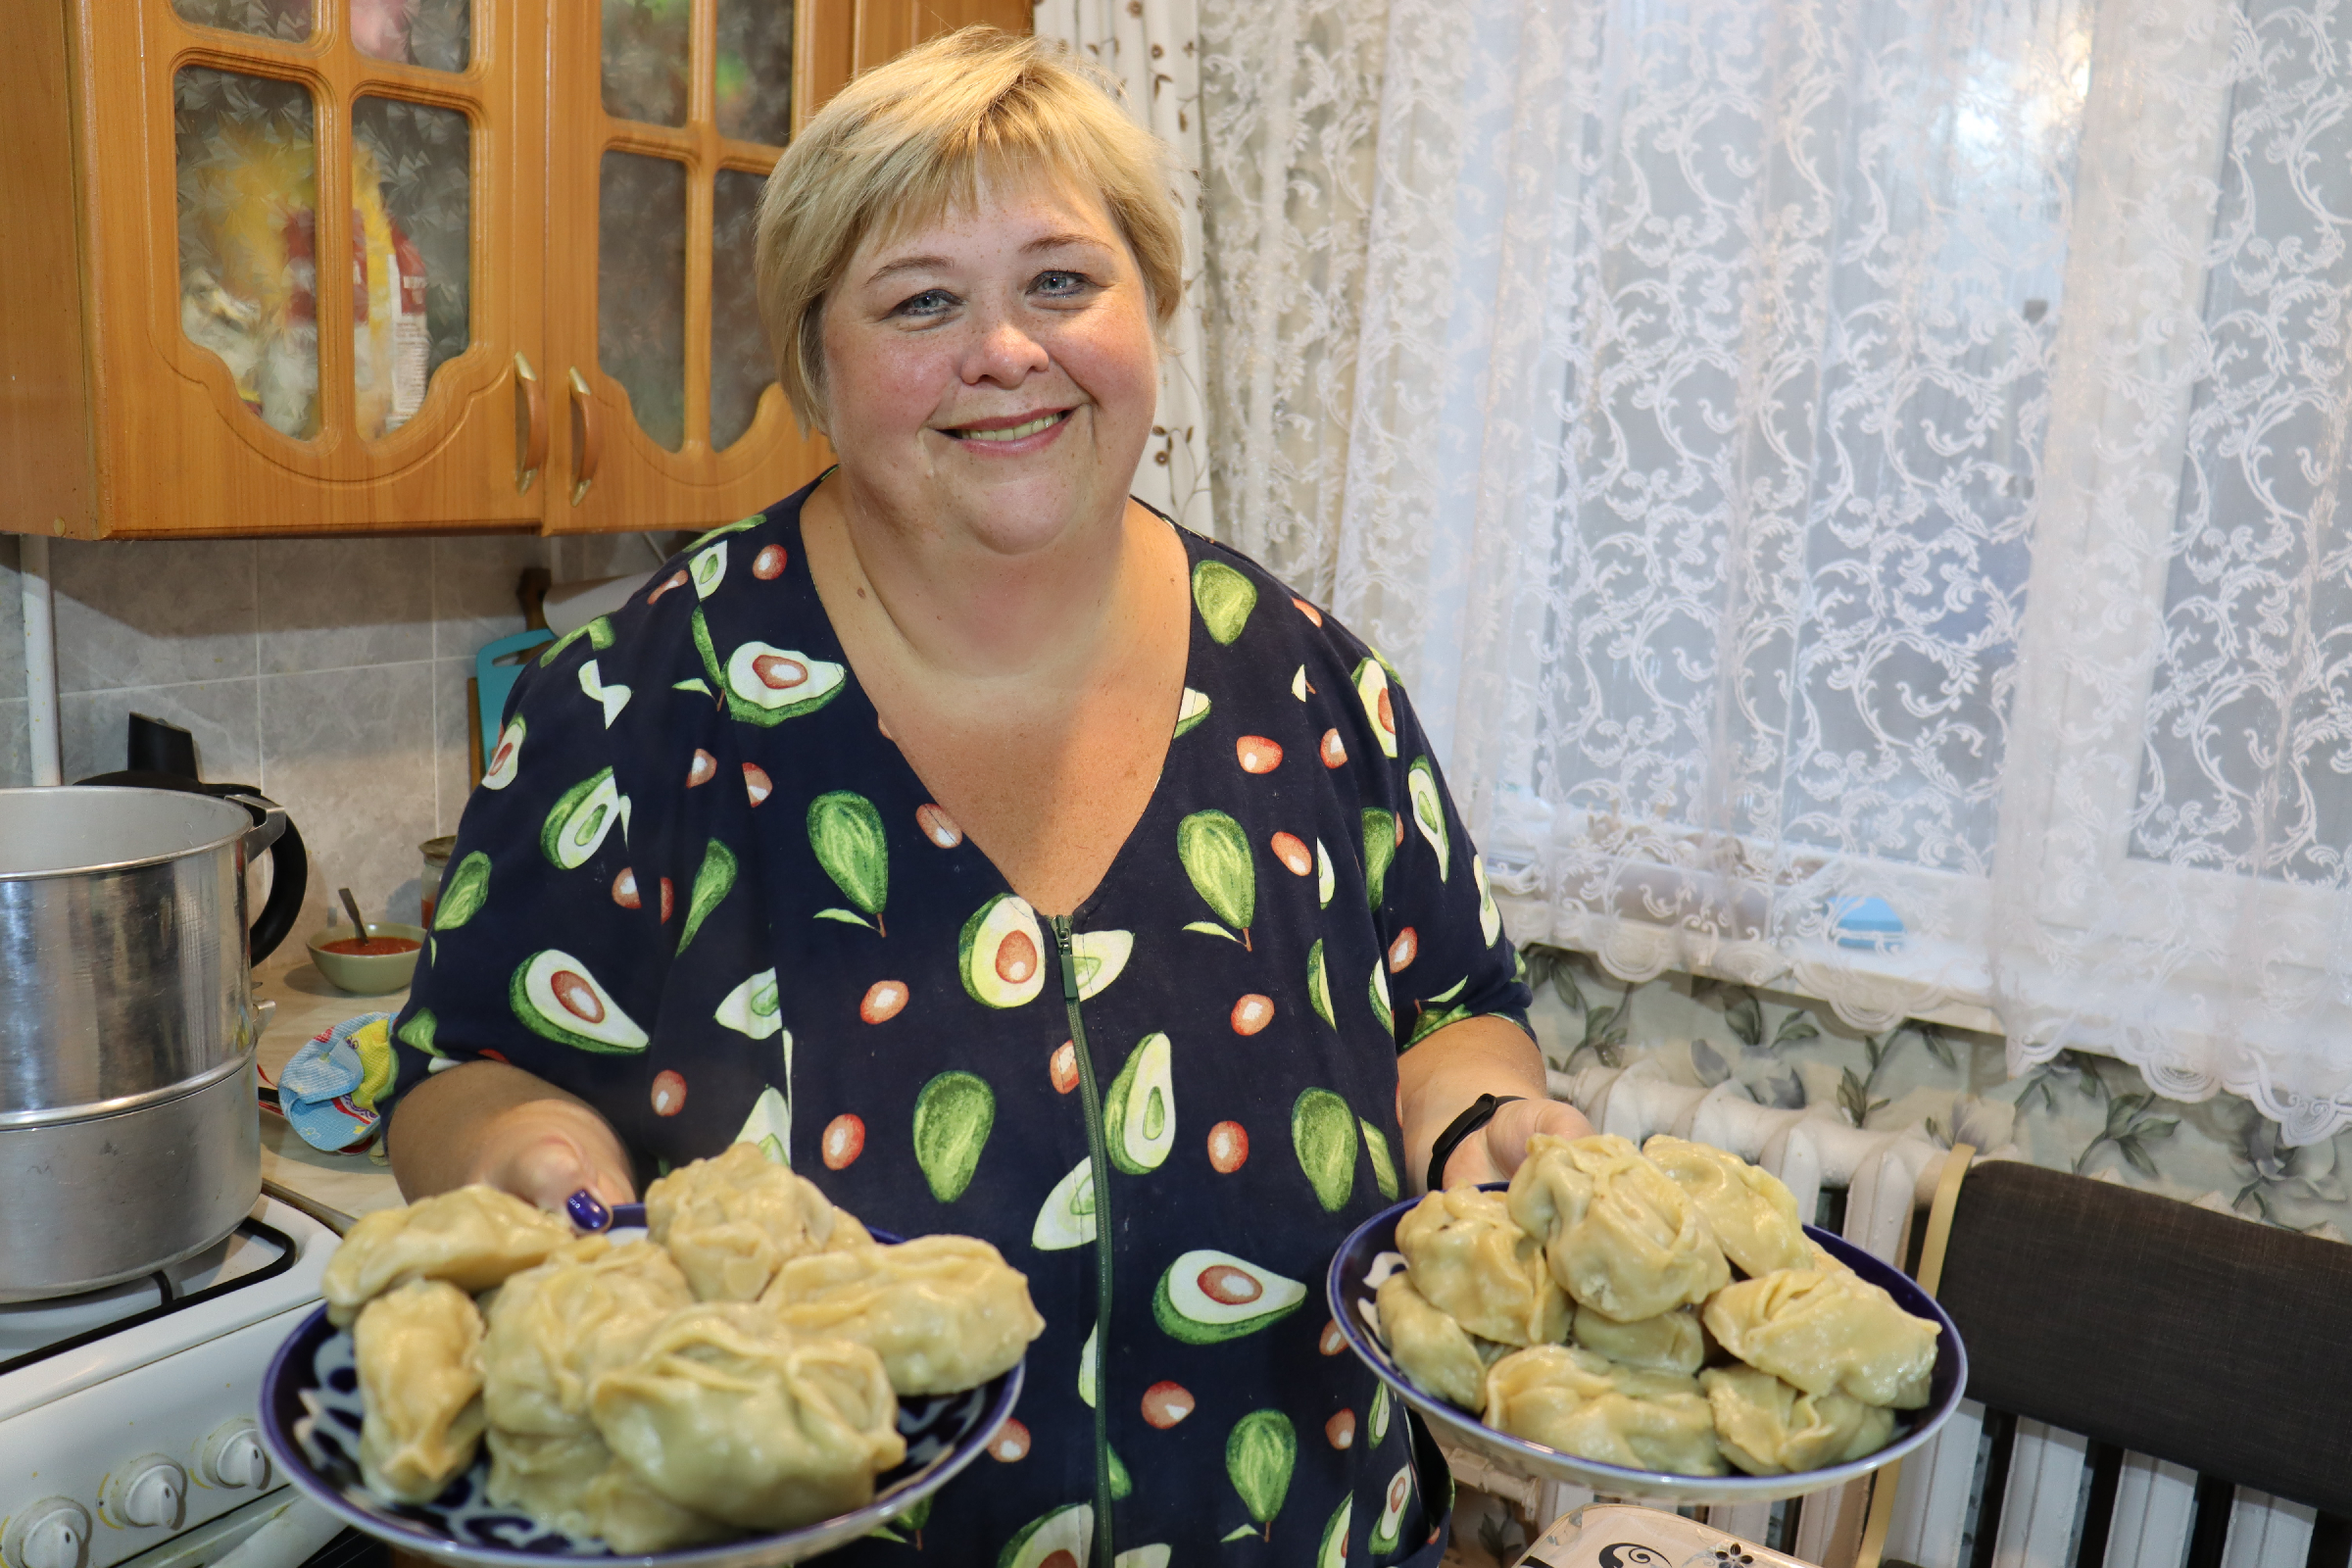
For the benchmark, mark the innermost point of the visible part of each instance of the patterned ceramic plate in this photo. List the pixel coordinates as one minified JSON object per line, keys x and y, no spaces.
{"x":310,"y":1413}
{"x":1370,"y":1255}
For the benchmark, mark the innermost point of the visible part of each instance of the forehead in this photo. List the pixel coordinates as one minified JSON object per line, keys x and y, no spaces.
{"x":1006,"y":209}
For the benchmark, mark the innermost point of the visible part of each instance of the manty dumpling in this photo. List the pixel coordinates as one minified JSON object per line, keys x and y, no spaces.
{"x":1752,"y":1216}
{"x":1619,"y":1235}
{"x":1671,"y":1341}
{"x":1581,"y":1404}
{"x":1826,"y":1332}
{"x":573,"y":1484}
{"x":733,"y":1219}
{"x":1767,"y":1428}
{"x":944,"y":1312}
{"x":554,"y":1329}
{"x":1431,"y":1346}
{"x":421,"y":1379}
{"x":730,"y":1414}
{"x":1480,"y":1269}
{"x":474,"y":1238}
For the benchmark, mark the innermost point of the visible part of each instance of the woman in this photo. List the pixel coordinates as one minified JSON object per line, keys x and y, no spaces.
{"x":1014,"y":863}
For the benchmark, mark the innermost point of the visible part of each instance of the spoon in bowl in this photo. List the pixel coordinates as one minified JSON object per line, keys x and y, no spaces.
{"x":351,"y":906}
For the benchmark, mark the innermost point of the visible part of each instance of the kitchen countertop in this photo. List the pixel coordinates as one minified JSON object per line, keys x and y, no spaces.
{"x":335,"y":1188}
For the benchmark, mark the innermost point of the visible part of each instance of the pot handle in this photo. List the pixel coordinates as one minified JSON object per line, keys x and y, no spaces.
{"x":272,"y":829}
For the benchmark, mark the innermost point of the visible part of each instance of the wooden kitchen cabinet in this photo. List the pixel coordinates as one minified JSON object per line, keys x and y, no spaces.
{"x":545,"y":209}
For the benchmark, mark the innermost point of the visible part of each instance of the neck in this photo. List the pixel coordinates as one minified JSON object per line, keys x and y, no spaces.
{"x":957,"y":605}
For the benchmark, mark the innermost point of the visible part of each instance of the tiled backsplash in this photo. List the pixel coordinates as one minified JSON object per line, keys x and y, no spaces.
{"x":330,"y":673}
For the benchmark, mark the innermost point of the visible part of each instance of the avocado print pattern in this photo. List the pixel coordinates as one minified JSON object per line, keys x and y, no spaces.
{"x":1323,"y":1133}
{"x":576,"y":825}
{"x":713,"y":881}
{"x":953,"y":1118}
{"x":1215,"y":853}
{"x":1224,"y":598}
{"x":1139,"y":1114}
{"x":463,"y":892}
{"x":1259,"y":1457}
{"x":738,"y":912}
{"x":846,"y":832}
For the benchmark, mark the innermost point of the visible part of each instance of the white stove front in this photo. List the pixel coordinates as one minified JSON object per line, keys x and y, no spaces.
{"x":117,"y":1440}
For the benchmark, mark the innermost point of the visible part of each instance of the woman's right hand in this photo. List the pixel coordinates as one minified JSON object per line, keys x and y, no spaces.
{"x":544,"y":1151}
{"x":486,"y":1121}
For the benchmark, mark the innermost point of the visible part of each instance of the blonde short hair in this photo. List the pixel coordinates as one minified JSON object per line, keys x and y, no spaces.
{"x":915,"y":136}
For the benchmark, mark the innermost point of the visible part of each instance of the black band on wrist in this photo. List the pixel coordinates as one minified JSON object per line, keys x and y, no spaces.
{"x":1480,"y":1112}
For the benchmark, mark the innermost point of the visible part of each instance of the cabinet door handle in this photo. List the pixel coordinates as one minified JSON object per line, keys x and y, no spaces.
{"x":530,"y":425}
{"x":587,"y":437}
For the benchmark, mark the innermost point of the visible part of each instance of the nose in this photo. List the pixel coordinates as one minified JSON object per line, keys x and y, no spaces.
{"x":1002,"y":351}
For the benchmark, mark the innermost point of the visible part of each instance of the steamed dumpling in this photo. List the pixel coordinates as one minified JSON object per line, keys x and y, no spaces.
{"x":1432,"y":1347}
{"x":731,"y":1416}
{"x":1671,"y":1341}
{"x":1826,"y":1332}
{"x":1579,"y":1402}
{"x":554,"y":1329}
{"x":1482,"y":1270}
{"x":732,"y":1220}
{"x":1752,"y":1216}
{"x":944,"y":1312}
{"x":1618,"y":1234}
{"x":1767,"y":1428}
{"x":573,"y":1484}
{"x":474,"y":1238}
{"x":421,"y":1378}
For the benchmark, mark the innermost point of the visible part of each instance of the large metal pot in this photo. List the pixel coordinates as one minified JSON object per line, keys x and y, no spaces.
{"x":128,"y":1132}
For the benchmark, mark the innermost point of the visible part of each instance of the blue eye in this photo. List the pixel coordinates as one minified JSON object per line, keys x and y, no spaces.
{"x":930,"y":302}
{"x":1061,"y":283}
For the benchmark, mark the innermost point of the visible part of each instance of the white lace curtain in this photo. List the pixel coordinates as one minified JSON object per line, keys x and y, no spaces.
{"x":1827,"y":466}
{"x":1155,"y":53}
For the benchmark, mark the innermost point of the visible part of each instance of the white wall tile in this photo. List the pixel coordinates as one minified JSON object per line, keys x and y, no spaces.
{"x":338,"y":603}
{"x":473,"y":582}
{"x":16,"y":743}
{"x":349,"y":754}
{"x":152,"y":613}
{"x":12,"y":621}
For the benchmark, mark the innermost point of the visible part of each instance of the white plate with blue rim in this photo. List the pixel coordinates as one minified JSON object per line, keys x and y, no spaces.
{"x":312,"y":1412}
{"x":1370,"y":1255}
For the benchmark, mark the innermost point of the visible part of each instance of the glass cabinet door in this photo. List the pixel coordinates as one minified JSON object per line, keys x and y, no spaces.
{"x":326,"y":304}
{"x":690,"y":102}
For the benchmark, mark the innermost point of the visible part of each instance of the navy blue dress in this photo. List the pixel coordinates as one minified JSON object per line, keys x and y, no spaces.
{"x":700,"y":889}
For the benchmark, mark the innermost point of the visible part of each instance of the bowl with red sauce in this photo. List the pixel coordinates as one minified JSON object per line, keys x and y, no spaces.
{"x":371,"y":965}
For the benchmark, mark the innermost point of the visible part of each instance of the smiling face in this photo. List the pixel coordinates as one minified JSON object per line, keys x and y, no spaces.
{"x":994,"y":372}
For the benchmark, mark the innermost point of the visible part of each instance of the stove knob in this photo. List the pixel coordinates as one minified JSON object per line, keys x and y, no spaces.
{"x":233,"y":1456}
{"x":146,"y":1492}
{"x":53,"y":1533}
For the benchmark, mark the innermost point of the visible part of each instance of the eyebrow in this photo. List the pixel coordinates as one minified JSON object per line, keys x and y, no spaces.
{"x":925,"y":264}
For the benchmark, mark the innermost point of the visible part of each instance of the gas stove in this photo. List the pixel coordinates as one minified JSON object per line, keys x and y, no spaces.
{"x":126,"y":1414}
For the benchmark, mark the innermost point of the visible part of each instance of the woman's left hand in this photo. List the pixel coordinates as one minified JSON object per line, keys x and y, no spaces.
{"x":1439,"y":1078}
{"x":1496,"y":1149}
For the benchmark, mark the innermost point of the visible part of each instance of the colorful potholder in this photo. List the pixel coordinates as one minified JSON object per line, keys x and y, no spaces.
{"x":329,"y":1089}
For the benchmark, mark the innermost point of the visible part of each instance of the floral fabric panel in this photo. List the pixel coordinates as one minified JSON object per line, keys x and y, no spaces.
{"x":703,"y":890}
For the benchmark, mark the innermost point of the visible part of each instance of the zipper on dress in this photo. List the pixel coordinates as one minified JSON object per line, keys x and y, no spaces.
{"x":1097,"y":1153}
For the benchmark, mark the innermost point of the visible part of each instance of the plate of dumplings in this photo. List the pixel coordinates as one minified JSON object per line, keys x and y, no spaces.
{"x":1653,"y":1323}
{"x":749,"y":1380}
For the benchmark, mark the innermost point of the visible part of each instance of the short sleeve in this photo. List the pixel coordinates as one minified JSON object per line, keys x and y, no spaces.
{"x":1448,"y":956}
{"x":597,"y":909}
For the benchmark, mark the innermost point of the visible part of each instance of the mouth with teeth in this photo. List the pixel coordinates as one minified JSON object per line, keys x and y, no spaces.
{"x":995,"y":434}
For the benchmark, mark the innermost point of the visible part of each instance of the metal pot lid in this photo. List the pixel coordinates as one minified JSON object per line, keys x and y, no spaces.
{"x":68,"y":830}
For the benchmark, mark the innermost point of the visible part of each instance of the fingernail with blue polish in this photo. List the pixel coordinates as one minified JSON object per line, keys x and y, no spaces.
{"x":587,"y":1212}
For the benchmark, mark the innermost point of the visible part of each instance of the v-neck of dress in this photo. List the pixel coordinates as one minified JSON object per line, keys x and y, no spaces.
{"x":854,"y":689}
